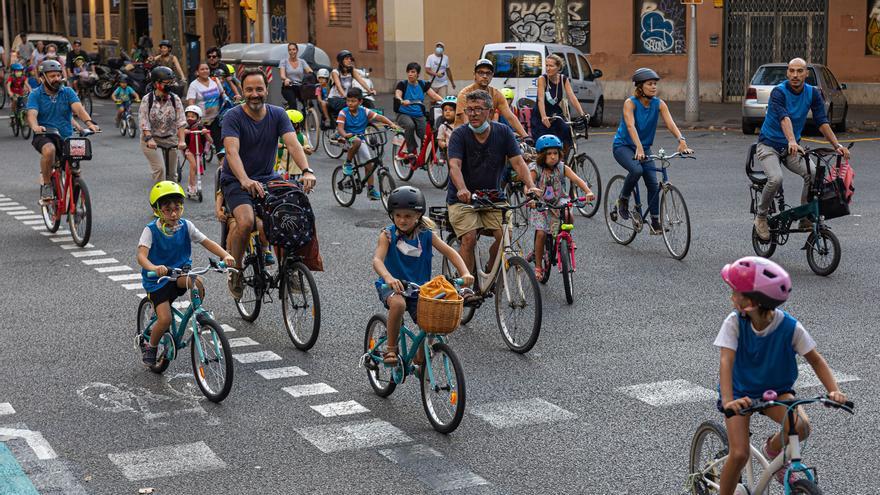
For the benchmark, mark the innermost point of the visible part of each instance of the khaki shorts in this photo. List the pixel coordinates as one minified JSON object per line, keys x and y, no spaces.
{"x":465,"y":220}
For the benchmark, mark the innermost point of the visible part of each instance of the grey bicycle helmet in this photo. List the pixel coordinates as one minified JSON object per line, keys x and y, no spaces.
{"x":484,"y":62}
{"x":165,"y":43}
{"x":406,"y":198}
{"x":50,"y":66}
{"x":161,"y":73}
{"x":644,"y":74}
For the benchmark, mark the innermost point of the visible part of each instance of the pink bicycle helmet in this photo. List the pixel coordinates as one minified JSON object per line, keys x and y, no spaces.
{"x":760,"y":279}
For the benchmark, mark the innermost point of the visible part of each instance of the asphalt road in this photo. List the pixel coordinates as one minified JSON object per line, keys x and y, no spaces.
{"x":607,"y":401}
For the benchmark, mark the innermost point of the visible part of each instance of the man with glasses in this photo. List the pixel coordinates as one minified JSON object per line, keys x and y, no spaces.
{"x":75,"y":53}
{"x":477,"y":154}
{"x":231,"y":85}
{"x":483,"y":72}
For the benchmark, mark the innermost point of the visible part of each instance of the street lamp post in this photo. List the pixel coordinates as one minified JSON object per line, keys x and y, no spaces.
{"x":692,"y":93}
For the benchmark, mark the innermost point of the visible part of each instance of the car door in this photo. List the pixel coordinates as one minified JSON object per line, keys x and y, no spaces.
{"x":592,"y":88}
{"x":838,"y":98}
{"x":577,"y":80}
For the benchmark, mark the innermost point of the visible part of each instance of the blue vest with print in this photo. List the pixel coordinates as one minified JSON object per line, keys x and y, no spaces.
{"x":410,"y":268}
{"x":797,"y":106}
{"x":766,"y":362}
{"x":415,"y":94}
{"x":173,"y":251}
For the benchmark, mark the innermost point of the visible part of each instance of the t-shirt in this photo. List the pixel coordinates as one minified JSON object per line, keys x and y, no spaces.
{"x":124,"y":95}
{"x":498,"y":101}
{"x":482,"y":164}
{"x":444,"y":129}
{"x":54,"y":111}
{"x":439,"y":65}
{"x":294,"y":74}
{"x":195,"y":235}
{"x":415,"y":93}
{"x":345,"y":80}
{"x":728,"y":336}
{"x":355,"y":123}
{"x":72,"y":55}
{"x":258,"y":140}
{"x":786,"y":103}
{"x":16,"y":84}
{"x":207,"y":96}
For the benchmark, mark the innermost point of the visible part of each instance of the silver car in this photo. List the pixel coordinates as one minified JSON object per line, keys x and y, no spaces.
{"x":768,"y":76}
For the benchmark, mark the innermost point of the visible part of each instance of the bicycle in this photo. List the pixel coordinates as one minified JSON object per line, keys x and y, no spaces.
{"x":127,"y":123}
{"x":295,"y":284}
{"x":84,"y":92}
{"x":429,"y":158}
{"x":562,"y":245}
{"x":442,"y":378}
{"x":706,"y":470}
{"x":675,"y":223}
{"x":70,"y":195}
{"x":210,"y":353}
{"x":822,"y":245}
{"x":347,"y":187}
{"x":200,"y":166}
{"x":582,"y":165}
{"x":515,"y":283}
{"x":514,"y":190}
{"x":18,"y":120}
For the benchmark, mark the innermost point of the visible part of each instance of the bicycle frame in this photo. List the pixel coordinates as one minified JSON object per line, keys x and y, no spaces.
{"x":487,"y":280}
{"x":187,"y":319}
{"x":421,"y":160}
{"x":664,"y":179}
{"x":64,"y":187}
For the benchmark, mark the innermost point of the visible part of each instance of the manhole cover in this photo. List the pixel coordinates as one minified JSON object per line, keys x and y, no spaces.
{"x":371,"y":224}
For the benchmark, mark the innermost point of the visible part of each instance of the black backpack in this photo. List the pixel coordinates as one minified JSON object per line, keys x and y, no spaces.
{"x":289,"y":219}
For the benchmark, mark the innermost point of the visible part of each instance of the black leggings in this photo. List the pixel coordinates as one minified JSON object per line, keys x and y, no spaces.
{"x":292,"y":94}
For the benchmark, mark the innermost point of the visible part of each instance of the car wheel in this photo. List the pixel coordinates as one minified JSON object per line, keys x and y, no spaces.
{"x":747,"y":127}
{"x":841,"y":126}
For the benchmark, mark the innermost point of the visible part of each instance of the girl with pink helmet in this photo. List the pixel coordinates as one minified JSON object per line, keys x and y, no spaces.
{"x":759,"y":346}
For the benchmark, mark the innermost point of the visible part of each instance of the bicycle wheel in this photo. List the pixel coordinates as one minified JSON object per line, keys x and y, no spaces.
{"x":301,"y":307}
{"x":344,"y":187}
{"x":675,"y":222}
{"x":823,"y":252}
{"x":438,"y":170}
{"x":80,"y":219}
{"x":252,"y":296}
{"x":132,"y":127}
{"x":145,"y":314}
{"x":14,"y":122}
{"x":25,"y":128}
{"x":519,"y":314}
{"x":209,"y":153}
{"x":371,"y":136}
{"x":386,"y":185}
{"x":622,"y":231}
{"x":565,"y":254}
{"x":51,"y":217}
{"x":443,"y":388}
{"x":708,"y":445}
{"x":311,"y":124}
{"x":123,"y":127}
{"x":519,"y":218}
{"x":212,"y":361}
{"x":762,"y":248}
{"x":545,"y":262}
{"x":401,"y":167}
{"x":331,"y":144}
{"x":3,"y":95}
{"x":375,"y":345}
{"x":86,"y":100}
{"x":805,"y":486}
{"x":586,"y":169}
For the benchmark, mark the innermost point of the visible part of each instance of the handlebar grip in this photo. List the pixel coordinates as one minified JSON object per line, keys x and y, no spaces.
{"x":152,"y":274}
{"x":458,"y":281}
{"x":849,"y":404}
{"x":728,"y":413}
{"x":221,"y":264}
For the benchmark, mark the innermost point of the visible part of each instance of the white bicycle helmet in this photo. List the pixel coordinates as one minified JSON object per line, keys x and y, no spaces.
{"x":194,"y":109}
{"x":323,"y":73}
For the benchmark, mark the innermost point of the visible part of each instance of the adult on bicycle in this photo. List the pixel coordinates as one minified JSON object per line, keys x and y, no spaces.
{"x":292,"y":70}
{"x":553,"y":88}
{"x":52,"y":105}
{"x":231,"y":84}
{"x":168,"y":59}
{"x":408,"y":98}
{"x":484,"y":69}
{"x":72,"y":55}
{"x":632,"y":143}
{"x":162,"y":125}
{"x":478,"y":152}
{"x":787,"y":110}
{"x":341,"y":78}
{"x":250,"y":138}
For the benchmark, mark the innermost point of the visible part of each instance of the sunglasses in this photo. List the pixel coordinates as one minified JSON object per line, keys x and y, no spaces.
{"x":212,"y":56}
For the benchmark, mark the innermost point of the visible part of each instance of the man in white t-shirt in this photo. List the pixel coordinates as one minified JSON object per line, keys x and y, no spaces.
{"x":437,"y":66}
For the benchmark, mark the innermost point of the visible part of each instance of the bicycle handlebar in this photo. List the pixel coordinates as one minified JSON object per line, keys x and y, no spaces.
{"x":175,"y":273}
{"x":677,"y":154}
{"x":51,"y":131}
{"x":412,"y":288}
{"x":563,"y":204}
{"x":760,"y":405}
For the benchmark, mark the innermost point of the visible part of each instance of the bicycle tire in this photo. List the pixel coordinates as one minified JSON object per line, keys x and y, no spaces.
{"x":3,"y":96}
{"x":545,"y":261}
{"x":85,"y":98}
{"x":515,"y":344}
{"x":627,"y":230}
{"x":565,"y":254}
{"x":25,"y":129}
{"x":373,"y":129}
{"x":456,"y":391}
{"x":311,"y":126}
{"x":449,"y":271}
{"x":51,"y":217}
{"x":123,"y":127}
{"x":383,"y":387}
{"x":250,"y":282}
{"x":519,"y":219}
{"x":132,"y":127}
{"x":438,"y":170}
{"x":344,"y":188}
{"x":806,"y":487}
{"x":708,"y":429}
{"x":221,"y":357}
{"x":331,"y":146}
{"x":287,"y":291}
{"x":80,"y":219}
{"x":386,"y":185}
{"x":14,"y":122}
{"x":672,"y":200}
{"x":820,"y":247}
{"x":162,"y":360}
{"x":401,"y":168}
{"x":586,"y":169}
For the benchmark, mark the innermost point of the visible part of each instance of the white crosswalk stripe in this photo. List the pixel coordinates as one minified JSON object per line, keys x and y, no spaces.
{"x":668,"y":392}
{"x":309,"y":389}
{"x":344,"y":408}
{"x":65,"y":238}
{"x":69,"y":247}
{"x":351,"y":436}
{"x":133,"y":286}
{"x":29,"y":217}
{"x":507,"y":414}
{"x":242,"y":342}
{"x":83,"y":254}
{"x":101,"y":261}
{"x":127,"y":276}
{"x":32,"y":222}
{"x":807,"y":377}
{"x":167,"y":460}
{"x":6,"y":409}
{"x":256,"y":357}
{"x":110,"y":269}
{"x":19,"y":213}
{"x":286,"y":372}
{"x":55,"y":234}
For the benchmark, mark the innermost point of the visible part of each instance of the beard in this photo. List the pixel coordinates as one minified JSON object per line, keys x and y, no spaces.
{"x":53,"y":86}
{"x":256,"y":103}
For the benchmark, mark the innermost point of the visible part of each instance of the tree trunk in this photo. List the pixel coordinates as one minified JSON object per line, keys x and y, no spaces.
{"x":124,"y":25}
{"x":560,"y":18}
{"x":171,"y":29}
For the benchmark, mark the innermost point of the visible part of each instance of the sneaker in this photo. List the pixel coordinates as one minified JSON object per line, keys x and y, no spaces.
{"x":762,"y":228}
{"x":770,"y":455}
{"x":149,"y":356}
{"x":347,"y":169}
{"x":373,"y":194}
{"x":623,"y":208}
{"x":47,"y":194}
{"x":656,"y":228}
{"x":270,"y":258}
{"x":805,"y":224}
{"x":233,"y":282}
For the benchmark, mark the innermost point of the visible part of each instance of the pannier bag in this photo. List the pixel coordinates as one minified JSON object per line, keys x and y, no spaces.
{"x":289,"y":218}
{"x":837,"y":191}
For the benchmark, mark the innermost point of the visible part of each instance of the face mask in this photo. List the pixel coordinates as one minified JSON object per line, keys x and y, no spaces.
{"x":550,"y":100}
{"x":481,"y":129}
{"x":408,"y":249}
{"x":191,"y":122}
{"x":438,"y":50}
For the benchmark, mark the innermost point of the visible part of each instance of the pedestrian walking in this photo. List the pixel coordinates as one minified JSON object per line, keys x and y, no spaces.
{"x":162,"y":126}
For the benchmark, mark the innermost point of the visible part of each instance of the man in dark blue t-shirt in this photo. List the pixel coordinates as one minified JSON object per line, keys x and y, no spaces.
{"x":250,"y":138}
{"x":477,"y":155}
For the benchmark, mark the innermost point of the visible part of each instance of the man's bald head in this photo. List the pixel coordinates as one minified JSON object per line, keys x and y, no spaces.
{"x":797,"y":62}
{"x":796,"y":74}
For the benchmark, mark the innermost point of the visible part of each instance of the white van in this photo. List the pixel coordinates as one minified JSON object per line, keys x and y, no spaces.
{"x":518,"y":66}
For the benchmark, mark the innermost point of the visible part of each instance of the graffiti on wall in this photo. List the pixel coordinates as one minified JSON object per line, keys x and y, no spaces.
{"x":533,"y":21}
{"x":372,"y":25}
{"x":872,"y":36}
{"x":660,"y":26}
{"x":278,"y":22}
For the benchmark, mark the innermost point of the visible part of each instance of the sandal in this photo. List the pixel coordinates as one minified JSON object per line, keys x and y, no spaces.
{"x":539,"y":273}
{"x":390,"y":355}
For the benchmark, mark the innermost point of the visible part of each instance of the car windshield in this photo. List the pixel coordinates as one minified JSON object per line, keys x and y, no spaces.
{"x":515,"y":63}
{"x":771,"y":76}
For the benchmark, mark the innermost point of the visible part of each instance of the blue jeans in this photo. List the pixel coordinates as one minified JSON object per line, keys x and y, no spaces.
{"x":624,"y":156}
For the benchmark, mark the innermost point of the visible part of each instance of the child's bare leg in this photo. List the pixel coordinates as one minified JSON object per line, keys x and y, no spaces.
{"x":323,"y":105}
{"x":186,"y":283}
{"x":540,"y":237}
{"x":352,"y":151}
{"x":778,"y":414}
{"x":163,"y":322}
{"x":369,"y":171}
{"x":738,"y":440}
{"x":191,"y":159}
{"x":396,"y":307}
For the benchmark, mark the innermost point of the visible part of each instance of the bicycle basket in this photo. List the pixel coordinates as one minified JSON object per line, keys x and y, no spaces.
{"x":77,"y":149}
{"x":289,"y":218}
{"x":581,"y":125}
{"x":440,"y":306}
{"x":440,"y":216}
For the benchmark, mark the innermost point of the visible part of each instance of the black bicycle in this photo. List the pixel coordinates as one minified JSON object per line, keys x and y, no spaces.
{"x":347,"y":187}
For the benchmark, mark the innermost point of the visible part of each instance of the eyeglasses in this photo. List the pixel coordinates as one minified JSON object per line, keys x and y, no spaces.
{"x":475,"y":111}
{"x":485,"y":73}
{"x":212,"y":56}
{"x":173,"y":208}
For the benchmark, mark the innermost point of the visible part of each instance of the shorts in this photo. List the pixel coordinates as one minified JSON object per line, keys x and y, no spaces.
{"x":464,"y":220}
{"x":42,"y":139}
{"x":364,"y":153}
{"x":412,"y":303}
{"x":720,"y":406}
{"x":167,"y":293}
{"x":234,"y":196}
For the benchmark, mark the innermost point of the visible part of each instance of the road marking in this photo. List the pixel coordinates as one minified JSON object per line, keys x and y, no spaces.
{"x":141,"y":296}
{"x":169,"y":460}
{"x":256,"y":357}
{"x":127,"y":276}
{"x":65,"y":238}
{"x":226,"y":328}
{"x":178,"y":304}
{"x":68,"y":247}
{"x":669,"y":392}
{"x":39,"y":227}
{"x":55,"y":234}
{"x":506,"y":414}
{"x":135,"y":286}
{"x":34,"y":440}
{"x":12,"y":477}
{"x":242,"y":342}
{"x":32,"y":222}
{"x":431,"y":468}
{"x":807,"y":377}
{"x":83,"y":254}
{"x":109,"y":269}
{"x":286,"y":372}
{"x":6,"y":408}
{"x":309,"y":389}
{"x":102,"y":261}
{"x":19,"y":213}
{"x":35,"y":216}
{"x":13,"y":207}
{"x":345,"y":408}
{"x":352,"y":436}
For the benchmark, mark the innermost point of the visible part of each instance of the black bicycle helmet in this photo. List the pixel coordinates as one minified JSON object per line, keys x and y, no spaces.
{"x":165,"y":43}
{"x":161,"y":73}
{"x":406,"y":198}
{"x":123,"y":78}
{"x":50,"y":66}
{"x":341,"y":56}
{"x":644,"y":74}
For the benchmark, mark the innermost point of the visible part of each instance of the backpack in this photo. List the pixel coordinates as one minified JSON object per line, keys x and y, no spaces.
{"x":289,"y":219}
{"x":151,"y":97}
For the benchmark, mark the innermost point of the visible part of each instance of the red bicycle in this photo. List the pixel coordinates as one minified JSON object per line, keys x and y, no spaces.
{"x":562,"y":244}
{"x":70,"y":196}
{"x":429,"y":157}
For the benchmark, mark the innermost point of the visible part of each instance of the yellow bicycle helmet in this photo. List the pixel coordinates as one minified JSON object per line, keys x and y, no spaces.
{"x":508,"y":93}
{"x":295,"y":116}
{"x":164,"y":189}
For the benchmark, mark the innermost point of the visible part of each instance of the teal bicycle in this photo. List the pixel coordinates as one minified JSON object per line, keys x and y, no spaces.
{"x":210,"y":352}
{"x":441,"y":376}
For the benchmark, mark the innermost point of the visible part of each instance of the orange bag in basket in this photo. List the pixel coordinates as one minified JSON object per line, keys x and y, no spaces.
{"x":439,"y":285}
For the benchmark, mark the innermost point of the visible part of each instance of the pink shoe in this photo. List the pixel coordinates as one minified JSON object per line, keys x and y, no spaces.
{"x":770,"y":455}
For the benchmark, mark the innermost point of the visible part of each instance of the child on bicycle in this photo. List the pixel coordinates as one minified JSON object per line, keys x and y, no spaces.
{"x":284,"y":164}
{"x":759,"y":346}
{"x":166,"y":243}
{"x":403,"y":253}
{"x":351,"y":123}
{"x":17,"y":85}
{"x":508,"y":95}
{"x":122,"y":96}
{"x":196,"y":143}
{"x":551,"y":176}
{"x":444,"y":124}
{"x":321,"y":95}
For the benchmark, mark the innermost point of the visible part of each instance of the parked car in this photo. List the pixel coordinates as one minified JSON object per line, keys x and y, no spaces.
{"x":518,"y":66}
{"x":768,"y":76}
{"x":60,"y":41}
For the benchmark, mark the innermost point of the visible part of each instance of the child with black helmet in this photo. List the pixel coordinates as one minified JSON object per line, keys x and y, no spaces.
{"x":403,"y":253}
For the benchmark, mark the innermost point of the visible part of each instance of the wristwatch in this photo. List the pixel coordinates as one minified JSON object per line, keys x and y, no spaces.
{"x":681,"y":138}
{"x":309,"y":171}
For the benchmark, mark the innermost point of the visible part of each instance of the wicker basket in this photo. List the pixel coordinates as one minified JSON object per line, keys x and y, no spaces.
{"x":439,"y":315}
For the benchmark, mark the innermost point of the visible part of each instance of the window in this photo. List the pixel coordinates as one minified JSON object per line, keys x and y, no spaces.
{"x":371,"y":11}
{"x":586,"y":68}
{"x":834,"y":84}
{"x":339,"y":13}
{"x":659,"y":27}
{"x":775,"y":74}
{"x":516,"y":63}
{"x":572,"y":62}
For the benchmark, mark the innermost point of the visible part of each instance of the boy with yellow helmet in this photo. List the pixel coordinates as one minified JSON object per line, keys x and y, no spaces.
{"x":283,"y":162}
{"x":166,"y":243}
{"x":508,"y":95}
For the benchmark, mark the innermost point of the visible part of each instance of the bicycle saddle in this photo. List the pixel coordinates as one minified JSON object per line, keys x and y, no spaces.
{"x":756,"y":176}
